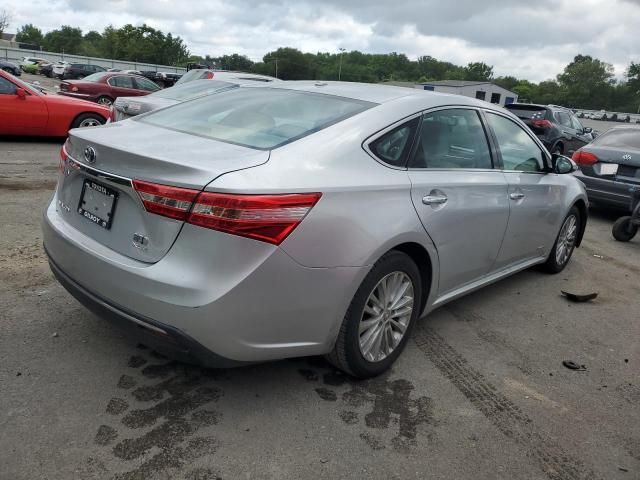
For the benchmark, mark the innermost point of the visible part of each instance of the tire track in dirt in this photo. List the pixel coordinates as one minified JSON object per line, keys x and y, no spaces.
{"x":555,"y":462}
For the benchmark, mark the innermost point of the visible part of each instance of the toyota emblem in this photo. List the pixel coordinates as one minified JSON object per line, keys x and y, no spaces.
{"x":90,"y":155}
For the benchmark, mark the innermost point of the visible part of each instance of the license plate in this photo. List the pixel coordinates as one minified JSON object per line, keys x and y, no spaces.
{"x":608,"y":168}
{"x":97,"y":203}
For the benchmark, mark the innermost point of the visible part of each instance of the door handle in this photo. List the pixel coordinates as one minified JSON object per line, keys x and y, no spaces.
{"x":516,"y":196}
{"x":434,"y":199}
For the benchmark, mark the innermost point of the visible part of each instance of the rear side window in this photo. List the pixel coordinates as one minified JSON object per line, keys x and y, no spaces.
{"x":121,"y":82}
{"x":451,"y":139}
{"x":622,"y":138}
{"x":519,"y":152}
{"x":393,"y":147}
{"x":261,"y":118}
{"x":563,"y":119}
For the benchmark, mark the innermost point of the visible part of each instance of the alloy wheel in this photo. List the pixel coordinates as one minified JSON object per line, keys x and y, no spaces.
{"x":566,"y":239}
{"x":89,"y":122}
{"x":386,"y":316}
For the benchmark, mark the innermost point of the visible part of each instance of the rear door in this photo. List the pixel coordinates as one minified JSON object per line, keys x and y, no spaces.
{"x":534,"y":195}
{"x":460,"y":198}
{"x":123,"y":86}
{"x":572,"y":141}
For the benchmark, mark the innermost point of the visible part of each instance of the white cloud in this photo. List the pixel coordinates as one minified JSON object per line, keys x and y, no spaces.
{"x":533,"y":40}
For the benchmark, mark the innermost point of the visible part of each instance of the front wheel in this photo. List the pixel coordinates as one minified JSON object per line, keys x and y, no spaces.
{"x":623,"y":230}
{"x":380,"y":318}
{"x":88,"y":120}
{"x":565,"y":243}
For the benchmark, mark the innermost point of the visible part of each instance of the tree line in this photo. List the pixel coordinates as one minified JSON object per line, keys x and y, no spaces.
{"x":586,"y":82}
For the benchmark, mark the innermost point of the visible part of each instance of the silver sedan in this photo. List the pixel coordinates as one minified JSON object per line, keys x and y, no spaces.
{"x":304,"y":218}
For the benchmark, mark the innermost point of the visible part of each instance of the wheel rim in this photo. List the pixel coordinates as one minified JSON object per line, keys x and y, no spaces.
{"x":104,"y":101}
{"x":566,"y":239}
{"x":386,"y":316}
{"x":89,"y":122}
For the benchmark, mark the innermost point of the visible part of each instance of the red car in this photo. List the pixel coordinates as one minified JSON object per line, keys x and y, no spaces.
{"x":105,"y":87}
{"x":24,"y":110}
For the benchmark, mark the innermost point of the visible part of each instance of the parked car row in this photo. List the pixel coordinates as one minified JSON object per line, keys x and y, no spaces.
{"x":610,"y":116}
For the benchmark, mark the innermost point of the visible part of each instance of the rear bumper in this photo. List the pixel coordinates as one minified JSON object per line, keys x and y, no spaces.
{"x":163,"y":338}
{"x":244,"y":300}
{"x":608,"y":192}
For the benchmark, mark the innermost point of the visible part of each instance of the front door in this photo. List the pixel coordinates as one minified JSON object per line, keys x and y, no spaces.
{"x":21,"y":116}
{"x":460,"y":198}
{"x":534,"y":194}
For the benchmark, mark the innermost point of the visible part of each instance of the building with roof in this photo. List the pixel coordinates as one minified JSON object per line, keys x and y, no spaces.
{"x":486,"y":91}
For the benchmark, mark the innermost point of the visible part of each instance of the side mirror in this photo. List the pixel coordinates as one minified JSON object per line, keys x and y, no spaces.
{"x":562,"y":164}
{"x":587,"y":130}
{"x":20,"y":92}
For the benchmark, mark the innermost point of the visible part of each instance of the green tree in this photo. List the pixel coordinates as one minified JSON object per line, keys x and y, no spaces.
{"x":29,"y":34}
{"x":478,"y":71}
{"x":233,"y":62}
{"x":289,"y":63}
{"x":587,"y":82}
{"x":65,"y":39}
{"x":5,"y":20}
{"x":507,"y":82}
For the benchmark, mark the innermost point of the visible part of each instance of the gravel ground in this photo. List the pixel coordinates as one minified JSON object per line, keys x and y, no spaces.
{"x":480,"y":392}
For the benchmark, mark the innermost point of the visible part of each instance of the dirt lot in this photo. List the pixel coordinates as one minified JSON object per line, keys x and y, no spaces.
{"x":480,"y":392}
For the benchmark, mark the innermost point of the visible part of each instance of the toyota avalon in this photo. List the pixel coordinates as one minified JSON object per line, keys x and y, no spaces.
{"x":304,"y":218}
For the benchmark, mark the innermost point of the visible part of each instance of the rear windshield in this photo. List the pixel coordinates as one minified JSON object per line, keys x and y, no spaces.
{"x":531,"y":113}
{"x":96,"y":77}
{"x":619,"y":138}
{"x":258,"y":117}
{"x":193,"y":89}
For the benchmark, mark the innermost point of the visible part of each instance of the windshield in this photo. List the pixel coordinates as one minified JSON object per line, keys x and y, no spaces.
{"x":193,"y":89}
{"x":261,"y":118}
{"x":95,"y":77}
{"x":619,"y":138}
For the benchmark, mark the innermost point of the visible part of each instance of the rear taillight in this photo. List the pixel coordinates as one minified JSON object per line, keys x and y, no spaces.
{"x":63,"y":159}
{"x":268,"y":218}
{"x":542,"y":123}
{"x":172,"y":202}
{"x":584,"y":158}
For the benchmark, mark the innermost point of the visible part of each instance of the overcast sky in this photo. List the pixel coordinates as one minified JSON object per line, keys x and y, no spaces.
{"x":525,"y":38}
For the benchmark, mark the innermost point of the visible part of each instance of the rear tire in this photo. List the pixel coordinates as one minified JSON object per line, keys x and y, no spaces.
{"x":623,"y":230}
{"x":378,"y":322}
{"x":88,"y":120}
{"x":565,"y":243}
{"x":104,"y":100}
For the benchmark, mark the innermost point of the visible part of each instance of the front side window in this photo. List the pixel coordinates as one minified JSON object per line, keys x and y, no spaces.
{"x":575,"y":123}
{"x":519,"y":151}
{"x":452,"y":139}
{"x":393,"y":147}
{"x":261,"y":118}
{"x":563,"y":119}
{"x":121,"y":82}
{"x":6,"y":87}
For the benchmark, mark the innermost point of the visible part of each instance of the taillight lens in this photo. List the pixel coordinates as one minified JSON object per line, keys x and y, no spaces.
{"x":584,"y":158}
{"x":268,"y":218}
{"x":172,"y":202}
{"x":542,"y":123}
{"x":63,"y":159}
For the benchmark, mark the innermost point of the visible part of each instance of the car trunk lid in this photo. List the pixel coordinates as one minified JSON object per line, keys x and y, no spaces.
{"x":96,"y":194}
{"x":615,"y":163}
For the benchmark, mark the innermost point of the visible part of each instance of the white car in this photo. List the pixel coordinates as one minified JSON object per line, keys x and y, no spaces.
{"x":58,"y":68}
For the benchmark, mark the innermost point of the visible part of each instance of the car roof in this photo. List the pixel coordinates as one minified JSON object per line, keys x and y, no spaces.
{"x":378,"y":93}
